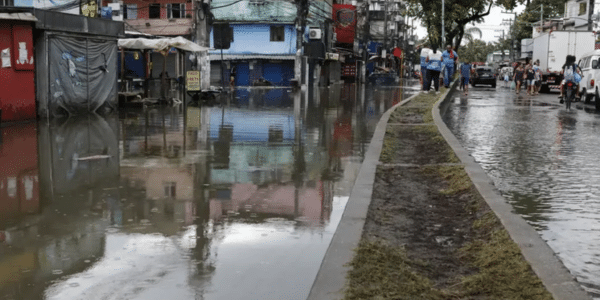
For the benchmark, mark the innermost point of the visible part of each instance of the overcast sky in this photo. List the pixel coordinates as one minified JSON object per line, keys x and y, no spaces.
{"x":492,"y":23}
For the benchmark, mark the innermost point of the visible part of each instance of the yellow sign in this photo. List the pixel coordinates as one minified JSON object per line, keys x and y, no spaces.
{"x":192,"y":82}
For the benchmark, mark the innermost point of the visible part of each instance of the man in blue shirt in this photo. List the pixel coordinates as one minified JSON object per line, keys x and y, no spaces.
{"x":449,"y":58}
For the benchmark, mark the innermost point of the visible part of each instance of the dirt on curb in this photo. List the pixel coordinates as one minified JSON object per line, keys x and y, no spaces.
{"x":428,"y":233}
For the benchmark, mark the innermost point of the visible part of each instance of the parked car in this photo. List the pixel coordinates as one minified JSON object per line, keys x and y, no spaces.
{"x":590,"y":66}
{"x":483,"y":75}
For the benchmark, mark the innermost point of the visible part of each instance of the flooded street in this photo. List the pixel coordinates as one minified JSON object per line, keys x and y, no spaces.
{"x":236,"y":200}
{"x":544,"y":161}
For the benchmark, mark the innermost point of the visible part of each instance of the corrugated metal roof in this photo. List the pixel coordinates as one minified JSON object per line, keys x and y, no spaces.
{"x":18,"y":16}
{"x":214,"y":56}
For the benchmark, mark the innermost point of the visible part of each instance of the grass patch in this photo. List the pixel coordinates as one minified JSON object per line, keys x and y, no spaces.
{"x":389,"y":147}
{"x":381,"y":271}
{"x":503,"y":273}
{"x":457,"y":179}
{"x":439,"y":140}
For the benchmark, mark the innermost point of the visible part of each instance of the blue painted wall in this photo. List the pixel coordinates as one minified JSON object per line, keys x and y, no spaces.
{"x":256,"y":39}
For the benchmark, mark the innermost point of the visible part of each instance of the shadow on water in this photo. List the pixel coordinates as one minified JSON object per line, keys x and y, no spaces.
{"x":183,"y":202}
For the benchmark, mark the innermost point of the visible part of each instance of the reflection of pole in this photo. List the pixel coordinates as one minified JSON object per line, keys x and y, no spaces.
{"x":146,"y":132}
{"x":164,"y":127}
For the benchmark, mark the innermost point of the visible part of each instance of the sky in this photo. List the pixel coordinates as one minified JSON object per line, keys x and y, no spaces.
{"x":491,"y":23}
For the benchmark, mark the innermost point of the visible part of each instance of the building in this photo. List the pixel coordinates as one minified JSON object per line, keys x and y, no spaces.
{"x":17,"y":99}
{"x":166,"y":18}
{"x":262,"y":41}
{"x":577,"y":14}
{"x":75,"y":63}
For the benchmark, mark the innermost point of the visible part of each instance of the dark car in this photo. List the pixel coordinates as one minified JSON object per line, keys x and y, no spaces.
{"x":483,"y":75}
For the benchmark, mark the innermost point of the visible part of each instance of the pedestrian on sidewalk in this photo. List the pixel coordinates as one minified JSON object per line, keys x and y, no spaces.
{"x":518,"y":77}
{"x":538,"y":77}
{"x":530,"y":79}
{"x":434,"y":67}
{"x":449,"y":58}
{"x":465,"y":75}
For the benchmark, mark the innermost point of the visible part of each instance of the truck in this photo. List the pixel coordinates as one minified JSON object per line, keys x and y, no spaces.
{"x":551,"y":49}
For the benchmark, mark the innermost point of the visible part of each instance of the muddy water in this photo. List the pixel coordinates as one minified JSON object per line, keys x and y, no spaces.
{"x":236,"y":200}
{"x":544,"y":161}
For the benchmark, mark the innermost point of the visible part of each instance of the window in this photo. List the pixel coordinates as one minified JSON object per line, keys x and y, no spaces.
{"x":170,"y":189}
{"x":154,"y":12}
{"x":7,"y":3}
{"x":130,"y":11}
{"x":595,"y":64}
{"x":277,"y":34}
{"x":582,"y":8}
{"x":175,"y":10}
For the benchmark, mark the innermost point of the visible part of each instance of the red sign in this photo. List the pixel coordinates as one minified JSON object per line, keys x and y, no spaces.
{"x":344,"y":16}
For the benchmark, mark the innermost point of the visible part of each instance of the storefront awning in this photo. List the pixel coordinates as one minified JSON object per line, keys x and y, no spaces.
{"x":163,"y":44}
{"x":24,"y":16}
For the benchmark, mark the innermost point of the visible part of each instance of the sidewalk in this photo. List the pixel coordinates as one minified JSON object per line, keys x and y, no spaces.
{"x":435,"y":230}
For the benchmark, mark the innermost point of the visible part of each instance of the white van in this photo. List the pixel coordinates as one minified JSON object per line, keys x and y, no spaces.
{"x":590,"y":65}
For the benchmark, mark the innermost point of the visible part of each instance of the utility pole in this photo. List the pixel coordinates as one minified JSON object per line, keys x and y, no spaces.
{"x":443,"y":27}
{"x":502,"y":40}
{"x":542,"y":18}
{"x":590,"y":13}
{"x":367,"y":32}
{"x":512,"y":34}
{"x":385,"y":26}
{"x":302,"y":9}
{"x":202,"y":39}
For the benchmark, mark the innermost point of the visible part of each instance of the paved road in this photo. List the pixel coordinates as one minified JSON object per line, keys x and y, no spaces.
{"x":543,"y":159}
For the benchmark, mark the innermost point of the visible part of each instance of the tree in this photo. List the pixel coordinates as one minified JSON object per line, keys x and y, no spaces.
{"x":457,"y":15}
{"x":470,"y":33}
{"x":523,"y":28}
{"x":475,"y":51}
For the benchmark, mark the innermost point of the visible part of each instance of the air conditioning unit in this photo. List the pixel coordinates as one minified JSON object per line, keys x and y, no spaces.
{"x":314,"y":34}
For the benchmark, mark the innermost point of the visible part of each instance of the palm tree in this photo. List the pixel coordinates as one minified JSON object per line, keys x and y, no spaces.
{"x":469,"y":35}
{"x":470,"y":32}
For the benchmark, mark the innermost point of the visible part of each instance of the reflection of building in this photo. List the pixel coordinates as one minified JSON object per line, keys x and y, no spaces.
{"x":19,"y":187}
{"x":80,"y":153}
{"x":282,"y":200}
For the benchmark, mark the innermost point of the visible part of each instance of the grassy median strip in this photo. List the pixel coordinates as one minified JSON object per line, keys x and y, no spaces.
{"x":428,"y":233}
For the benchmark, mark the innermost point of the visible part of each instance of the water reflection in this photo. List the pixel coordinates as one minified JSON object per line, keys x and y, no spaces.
{"x":542,"y":159}
{"x":183,"y":202}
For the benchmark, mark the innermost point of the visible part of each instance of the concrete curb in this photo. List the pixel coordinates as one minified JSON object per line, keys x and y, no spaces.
{"x":551,"y":271}
{"x":331,"y":279}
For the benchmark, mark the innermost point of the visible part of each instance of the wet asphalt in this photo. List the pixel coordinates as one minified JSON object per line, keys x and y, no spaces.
{"x":238,"y":199}
{"x":543,"y":160}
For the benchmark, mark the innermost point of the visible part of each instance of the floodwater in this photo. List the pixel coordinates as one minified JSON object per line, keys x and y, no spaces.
{"x":544,"y":161}
{"x":236,"y":200}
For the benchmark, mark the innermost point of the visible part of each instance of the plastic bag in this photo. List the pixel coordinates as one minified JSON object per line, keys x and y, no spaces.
{"x":577,"y":78}
{"x":513,"y":85}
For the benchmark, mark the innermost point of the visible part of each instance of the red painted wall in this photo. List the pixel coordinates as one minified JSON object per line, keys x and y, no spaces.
{"x":17,"y":89}
{"x":19,"y":183}
{"x":344,"y":16}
